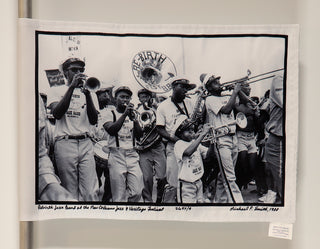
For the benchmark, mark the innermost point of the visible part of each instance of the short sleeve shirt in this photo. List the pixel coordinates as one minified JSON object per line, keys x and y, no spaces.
{"x":216,"y":118}
{"x":100,"y":132}
{"x":125,"y":134}
{"x":75,"y":121}
{"x":190,"y":168}
{"x":168,"y":113}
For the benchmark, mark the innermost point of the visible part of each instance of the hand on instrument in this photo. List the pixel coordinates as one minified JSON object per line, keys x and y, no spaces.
{"x":257,"y":112}
{"x":130,"y":111}
{"x":237,"y":88}
{"x":78,"y":80}
{"x":205,"y":129}
{"x":85,"y":91}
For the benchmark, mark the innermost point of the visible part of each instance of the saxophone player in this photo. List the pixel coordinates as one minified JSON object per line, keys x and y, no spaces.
{"x":150,"y":148}
{"x":167,"y":115}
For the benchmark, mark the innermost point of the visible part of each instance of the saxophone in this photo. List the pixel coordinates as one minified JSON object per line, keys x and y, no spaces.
{"x":197,"y":114}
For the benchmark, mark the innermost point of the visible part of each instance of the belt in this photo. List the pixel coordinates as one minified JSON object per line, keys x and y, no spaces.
{"x":79,"y":137}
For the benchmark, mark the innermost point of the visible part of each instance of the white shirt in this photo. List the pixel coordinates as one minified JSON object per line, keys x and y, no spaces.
{"x":75,"y":121}
{"x":216,"y":118}
{"x":100,"y":132}
{"x":190,"y":168}
{"x":167,"y":113}
{"x":125,"y":134}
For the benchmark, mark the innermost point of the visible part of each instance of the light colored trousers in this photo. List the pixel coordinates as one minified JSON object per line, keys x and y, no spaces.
{"x":77,"y":168}
{"x":228,"y":150}
{"x":172,"y":166}
{"x":125,"y":175}
{"x":190,"y":192}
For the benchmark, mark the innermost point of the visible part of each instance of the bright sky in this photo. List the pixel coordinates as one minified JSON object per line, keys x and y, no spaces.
{"x":109,"y":58}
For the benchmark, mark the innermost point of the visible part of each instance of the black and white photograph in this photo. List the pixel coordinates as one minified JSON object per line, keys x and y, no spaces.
{"x":144,"y":121}
{"x":162,"y":119}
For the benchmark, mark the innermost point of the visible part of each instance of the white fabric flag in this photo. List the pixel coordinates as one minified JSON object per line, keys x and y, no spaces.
{"x":151,"y":57}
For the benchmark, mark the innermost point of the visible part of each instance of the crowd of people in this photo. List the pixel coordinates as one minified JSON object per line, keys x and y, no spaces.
{"x":97,"y":147}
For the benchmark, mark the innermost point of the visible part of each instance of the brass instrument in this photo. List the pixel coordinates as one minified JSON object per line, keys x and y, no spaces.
{"x":196,"y":116}
{"x":212,"y":135}
{"x":92,"y":84}
{"x":133,"y":114}
{"x":248,"y":80}
{"x":147,"y":121}
{"x":248,"y":99}
{"x":147,"y":117}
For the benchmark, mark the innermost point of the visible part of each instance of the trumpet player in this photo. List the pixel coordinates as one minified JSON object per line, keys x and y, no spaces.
{"x":75,"y":111}
{"x":123,"y":127}
{"x":151,"y":149}
{"x":220,"y":113}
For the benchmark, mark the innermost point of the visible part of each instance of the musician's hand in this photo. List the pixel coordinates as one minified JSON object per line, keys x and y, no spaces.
{"x":205,"y":129}
{"x":257,"y":112}
{"x":237,"y":88}
{"x":129,"y":108}
{"x":130,"y":112}
{"x":85,"y":91}
{"x":55,"y":192}
{"x":78,"y":80}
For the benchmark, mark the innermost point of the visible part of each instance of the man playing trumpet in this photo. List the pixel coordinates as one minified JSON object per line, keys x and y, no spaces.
{"x":123,"y":127}
{"x":74,"y":109}
{"x":220,"y":114}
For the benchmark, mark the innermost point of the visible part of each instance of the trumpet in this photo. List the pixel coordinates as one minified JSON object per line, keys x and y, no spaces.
{"x":89,"y":83}
{"x":92,"y":84}
{"x":133,"y":113}
{"x":213,"y":134}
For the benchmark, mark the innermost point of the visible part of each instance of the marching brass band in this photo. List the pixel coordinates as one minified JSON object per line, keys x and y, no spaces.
{"x":106,"y":150}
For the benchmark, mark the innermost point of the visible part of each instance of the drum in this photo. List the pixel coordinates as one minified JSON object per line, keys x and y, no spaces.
{"x":101,"y":153}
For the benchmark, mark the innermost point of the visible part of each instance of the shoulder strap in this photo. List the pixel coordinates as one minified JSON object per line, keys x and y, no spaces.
{"x":184,"y":105}
{"x":180,"y":109}
{"x":114,"y":120}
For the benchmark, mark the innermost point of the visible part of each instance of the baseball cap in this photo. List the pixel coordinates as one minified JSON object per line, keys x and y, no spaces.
{"x":121,"y":89}
{"x":205,"y":78}
{"x":143,"y":90}
{"x":182,"y":80}
{"x":105,"y":89}
{"x":70,"y":61}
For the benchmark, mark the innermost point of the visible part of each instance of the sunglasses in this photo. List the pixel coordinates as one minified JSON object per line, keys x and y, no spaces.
{"x":76,"y":69}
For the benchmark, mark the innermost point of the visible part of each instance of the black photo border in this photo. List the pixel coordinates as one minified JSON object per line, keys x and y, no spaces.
{"x":38,"y":33}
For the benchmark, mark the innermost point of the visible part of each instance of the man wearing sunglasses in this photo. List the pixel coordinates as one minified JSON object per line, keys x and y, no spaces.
{"x":75,"y":111}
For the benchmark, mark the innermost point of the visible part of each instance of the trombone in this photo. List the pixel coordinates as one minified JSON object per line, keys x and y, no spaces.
{"x":249,"y":80}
